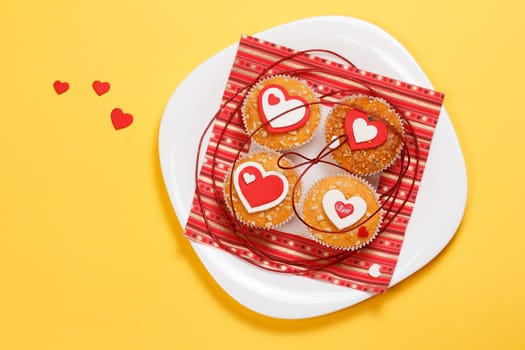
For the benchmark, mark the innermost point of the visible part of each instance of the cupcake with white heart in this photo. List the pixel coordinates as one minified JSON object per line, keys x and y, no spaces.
{"x":281,"y":112}
{"x":259,"y":193}
{"x":374,"y":134}
{"x":342,"y":212}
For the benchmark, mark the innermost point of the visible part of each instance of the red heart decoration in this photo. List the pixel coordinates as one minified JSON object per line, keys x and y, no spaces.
{"x":259,"y":189}
{"x":362,"y":131}
{"x":100,"y":87}
{"x":362,"y":232}
{"x":120,"y":119}
{"x":60,"y":87}
{"x":273,"y":100}
{"x":280,"y":111}
{"x":342,"y":209}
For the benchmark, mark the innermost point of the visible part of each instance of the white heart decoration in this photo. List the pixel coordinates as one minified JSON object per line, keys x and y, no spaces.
{"x":362,"y":131}
{"x":374,"y":270}
{"x":285,"y":103}
{"x":332,"y":197}
{"x":248,"y":178}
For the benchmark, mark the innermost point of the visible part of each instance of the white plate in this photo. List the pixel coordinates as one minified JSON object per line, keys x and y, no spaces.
{"x":440,"y":203}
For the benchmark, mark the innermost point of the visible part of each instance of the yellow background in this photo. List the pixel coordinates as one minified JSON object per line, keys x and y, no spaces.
{"x":91,"y":253}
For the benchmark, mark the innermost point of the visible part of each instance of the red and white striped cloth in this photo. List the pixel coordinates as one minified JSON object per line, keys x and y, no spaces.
{"x":419,"y":105}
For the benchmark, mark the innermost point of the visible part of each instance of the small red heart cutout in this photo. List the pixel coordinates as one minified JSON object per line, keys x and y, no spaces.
{"x":120,"y":119}
{"x":60,"y":87}
{"x":100,"y":87}
{"x":273,"y":100}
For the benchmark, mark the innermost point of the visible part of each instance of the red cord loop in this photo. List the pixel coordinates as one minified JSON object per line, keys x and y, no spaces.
{"x":246,"y":234}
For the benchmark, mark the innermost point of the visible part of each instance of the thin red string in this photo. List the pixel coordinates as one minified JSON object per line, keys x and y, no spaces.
{"x":244,"y":233}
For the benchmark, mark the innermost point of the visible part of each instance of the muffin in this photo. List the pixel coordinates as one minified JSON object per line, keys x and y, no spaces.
{"x":281,"y":112}
{"x":259,"y":193}
{"x":342,"y":212}
{"x":374,"y":134}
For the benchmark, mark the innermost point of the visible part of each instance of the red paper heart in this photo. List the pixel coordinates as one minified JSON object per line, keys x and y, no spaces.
{"x":120,"y":119}
{"x":281,"y":112}
{"x":60,"y":87}
{"x":100,"y":87}
{"x":363,"y":132}
{"x":260,"y":190}
{"x":342,"y":209}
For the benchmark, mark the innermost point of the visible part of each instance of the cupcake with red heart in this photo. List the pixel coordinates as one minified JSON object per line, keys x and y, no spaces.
{"x":374,"y":134}
{"x":258,"y":192}
{"x":342,"y":212}
{"x":281,"y":112}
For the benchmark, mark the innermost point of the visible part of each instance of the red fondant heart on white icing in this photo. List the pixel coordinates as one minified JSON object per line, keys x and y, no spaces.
{"x":343,"y":209}
{"x":257,"y":188}
{"x":364,"y":133}
{"x":273,"y":100}
{"x":337,"y":208}
{"x":280,"y":111}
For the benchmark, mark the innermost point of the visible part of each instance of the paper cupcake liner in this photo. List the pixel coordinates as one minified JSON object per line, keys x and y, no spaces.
{"x":236,"y":215}
{"x":351,"y":248}
{"x":396,"y":114}
{"x":260,"y":85}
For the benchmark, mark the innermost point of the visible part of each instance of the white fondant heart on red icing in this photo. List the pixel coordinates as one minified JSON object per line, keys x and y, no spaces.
{"x":362,"y":132}
{"x":248,"y":178}
{"x":343,"y":212}
{"x":280,"y":111}
{"x":257,"y":188}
